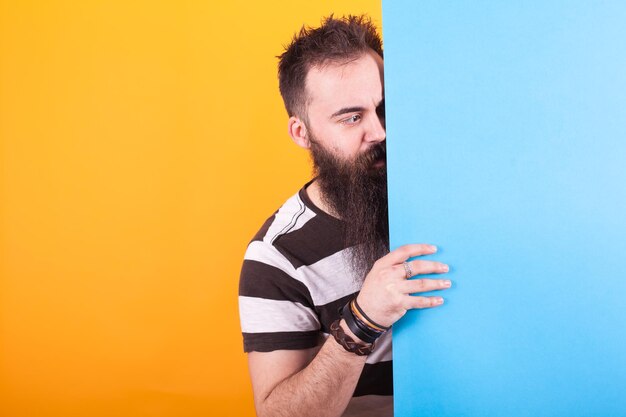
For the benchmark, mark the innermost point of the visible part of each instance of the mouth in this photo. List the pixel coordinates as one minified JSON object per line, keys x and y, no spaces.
{"x":378,"y":157}
{"x":379,"y":163}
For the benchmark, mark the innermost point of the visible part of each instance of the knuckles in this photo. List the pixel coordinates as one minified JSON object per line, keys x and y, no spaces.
{"x":385,"y":274}
{"x":391,"y":287}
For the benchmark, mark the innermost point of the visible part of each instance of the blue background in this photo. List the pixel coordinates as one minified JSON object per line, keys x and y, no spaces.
{"x":506,"y":127}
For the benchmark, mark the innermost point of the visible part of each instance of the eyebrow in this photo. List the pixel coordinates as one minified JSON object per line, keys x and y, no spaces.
{"x":354,"y":109}
{"x":347,"y":110}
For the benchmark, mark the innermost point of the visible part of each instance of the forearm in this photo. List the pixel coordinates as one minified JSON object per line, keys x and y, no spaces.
{"x":323,"y":388}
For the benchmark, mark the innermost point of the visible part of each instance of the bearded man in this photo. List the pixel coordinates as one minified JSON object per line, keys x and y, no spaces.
{"x":319,"y":289}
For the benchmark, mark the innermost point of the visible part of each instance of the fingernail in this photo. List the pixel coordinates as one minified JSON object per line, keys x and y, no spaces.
{"x":439,"y":300}
{"x":445,"y":268}
{"x":433,"y":248}
{"x":447,"y":283}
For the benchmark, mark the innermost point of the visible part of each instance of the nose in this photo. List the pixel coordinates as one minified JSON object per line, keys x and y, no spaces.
{"x":376,"y":129}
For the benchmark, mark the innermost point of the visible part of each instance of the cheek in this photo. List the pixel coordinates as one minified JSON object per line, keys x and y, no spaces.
{"x":351,"y":143}
{"x":346,"y":149}
{"x":344,"y":141}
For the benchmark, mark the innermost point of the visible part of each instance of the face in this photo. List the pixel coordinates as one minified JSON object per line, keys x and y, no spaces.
{"x":345,"y":106}
{"x":346,"y":136}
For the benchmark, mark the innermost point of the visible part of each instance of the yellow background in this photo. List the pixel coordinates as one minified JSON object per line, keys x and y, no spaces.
{"x":142,"y":145}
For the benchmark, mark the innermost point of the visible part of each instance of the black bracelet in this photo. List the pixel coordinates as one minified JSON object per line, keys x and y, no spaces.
{"x":364,"y":335}
{"x":365,"y":327}
{"x":360,"y":310}
{"x":362,"y":322}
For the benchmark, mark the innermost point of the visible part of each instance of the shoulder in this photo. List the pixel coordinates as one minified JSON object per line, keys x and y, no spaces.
{"x":275,"y":307}
{"x":297,"y":234}
{"x":291,"y":216}
{"x":269,"y":268}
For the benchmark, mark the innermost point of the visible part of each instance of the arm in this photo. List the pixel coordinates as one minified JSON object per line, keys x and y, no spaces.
{"x":303,"y":383}
{"x":311,"y":383}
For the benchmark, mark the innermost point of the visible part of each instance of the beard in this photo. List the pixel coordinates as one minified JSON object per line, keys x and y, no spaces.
{"x":356,"y":191}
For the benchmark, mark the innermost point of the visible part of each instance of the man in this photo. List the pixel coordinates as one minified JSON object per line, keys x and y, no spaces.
{"x":318,"y":290}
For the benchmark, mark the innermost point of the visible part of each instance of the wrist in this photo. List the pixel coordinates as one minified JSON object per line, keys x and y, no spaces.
{"x":363,"y":318}
{"x":355,"y":323}
{"x":348,"y":332}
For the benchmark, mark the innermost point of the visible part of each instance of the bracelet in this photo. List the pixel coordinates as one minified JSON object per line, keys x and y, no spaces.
{"x":361,"y":322}
{"x":364,"y":333}
{"x":367,"y":320}
{"x":346,"y":341}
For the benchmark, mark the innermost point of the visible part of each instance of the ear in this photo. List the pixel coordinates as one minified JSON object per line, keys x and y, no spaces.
{"x":298,"y":132}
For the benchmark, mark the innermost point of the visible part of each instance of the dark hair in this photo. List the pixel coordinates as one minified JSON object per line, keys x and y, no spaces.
{"x":336,"y":40}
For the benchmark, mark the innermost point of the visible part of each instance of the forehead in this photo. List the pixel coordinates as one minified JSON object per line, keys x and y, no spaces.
{"x":355,"y":83}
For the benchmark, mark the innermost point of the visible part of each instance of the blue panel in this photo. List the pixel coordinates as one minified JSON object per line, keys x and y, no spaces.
{"x":506,"y":126}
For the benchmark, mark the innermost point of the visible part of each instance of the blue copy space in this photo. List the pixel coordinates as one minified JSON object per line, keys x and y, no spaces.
{"x":506,"y":127}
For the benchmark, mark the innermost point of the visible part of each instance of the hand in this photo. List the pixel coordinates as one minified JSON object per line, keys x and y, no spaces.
{"x":385,"y":295}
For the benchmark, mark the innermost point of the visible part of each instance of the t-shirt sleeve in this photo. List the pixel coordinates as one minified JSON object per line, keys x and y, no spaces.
{"x":275,"y":309}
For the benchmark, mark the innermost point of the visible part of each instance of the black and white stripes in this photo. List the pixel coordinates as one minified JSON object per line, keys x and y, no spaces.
{"x":294,"y":279}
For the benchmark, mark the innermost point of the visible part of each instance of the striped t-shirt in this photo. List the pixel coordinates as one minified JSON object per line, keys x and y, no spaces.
{"x":295,"y":278}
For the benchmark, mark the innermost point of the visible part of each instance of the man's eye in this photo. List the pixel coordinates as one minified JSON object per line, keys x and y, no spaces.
{"x":352,"y":119}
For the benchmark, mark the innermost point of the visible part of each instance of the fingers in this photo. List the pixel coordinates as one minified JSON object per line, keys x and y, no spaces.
{"x":425,"y":267}
{"x":390,"y":272}
{"x":405,"y":252}
{"x":413,"y":286}
{"x":413,"y":302}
